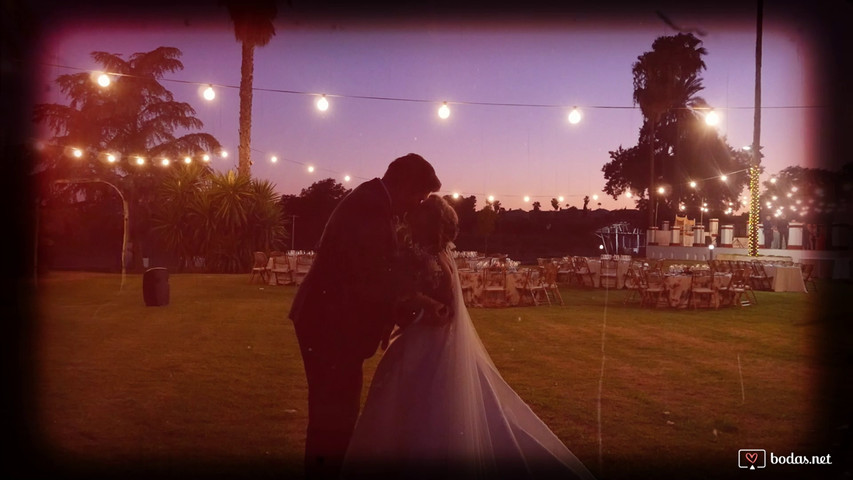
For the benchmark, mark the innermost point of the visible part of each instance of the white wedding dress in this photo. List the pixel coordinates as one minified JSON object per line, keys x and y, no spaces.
{"x":437,"y":408}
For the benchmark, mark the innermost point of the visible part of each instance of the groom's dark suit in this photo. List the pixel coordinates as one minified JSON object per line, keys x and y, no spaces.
{"x":341,"y":313}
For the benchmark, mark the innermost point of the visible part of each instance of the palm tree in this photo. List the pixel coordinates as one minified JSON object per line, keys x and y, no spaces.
{"x":180,"y":219}
{"x":220,"y":217}
{"x":253,"y":27}
{"x":135,"y":117}
{"x":665,"y":79}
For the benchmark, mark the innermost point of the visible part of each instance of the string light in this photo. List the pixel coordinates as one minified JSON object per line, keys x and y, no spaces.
{"x":209,"y":94}
{"x":104,"y":80}
{"x":444,"y":111}
{"x":165,"y":162}
{"x":188,"y":160}
{"x":77,"y":153}
{"x":712,"y":118}
{"x":574,"y":116}
{"x":754,"y":213}
{"x":322,"y":103}
{"x":310,"y":168}
{"x":111,"y":158}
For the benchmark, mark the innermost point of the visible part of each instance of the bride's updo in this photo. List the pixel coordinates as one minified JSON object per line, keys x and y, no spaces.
{"x":434,"y":224}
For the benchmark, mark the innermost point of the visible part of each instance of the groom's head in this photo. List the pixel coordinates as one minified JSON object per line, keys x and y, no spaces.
{"x":410,"y":179}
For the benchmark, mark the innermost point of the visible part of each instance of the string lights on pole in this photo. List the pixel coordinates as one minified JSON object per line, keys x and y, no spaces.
{"x":207,"y":91}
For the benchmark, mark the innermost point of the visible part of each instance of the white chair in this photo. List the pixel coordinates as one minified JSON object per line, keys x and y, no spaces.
{"x":303,"y":265}
{"x":494,"y":286}
{"x":607,"y":278}
{"x":532,"y":285}
{"x":281,"y":271}
{"x":259,"y":267}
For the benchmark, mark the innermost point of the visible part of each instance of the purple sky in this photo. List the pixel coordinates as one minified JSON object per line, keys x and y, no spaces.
{"x":505,"y":151}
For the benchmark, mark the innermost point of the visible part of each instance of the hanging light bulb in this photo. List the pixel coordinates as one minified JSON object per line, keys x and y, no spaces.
{"x":491,"y":198}
{"x":223,"y":154}
{"x":111,"y":158}
{"x":724,"y":178}
{"x":347,"y":178}
{"x":526,"y":199}
{"x":712,"y":118}
{"x":456,"y":195}
{"x":310,"y":168}
{"x":273,"y":159}
{"x":322,"y":103}
{"x":560,"y":198}
{"x":104,"y":80}
{"x":444,"y":111}
{"x":574,"y":116}
{"x":77,"y":153}
{"x":205,"y":157}
{"x":209,"y":93}
{"x":595,"y":196}
{"x":165,"y":162}
{"x":692,"y":184}
{"x":140,"y":160}
{"x":188,"y":160}
{"x":629,"y":194}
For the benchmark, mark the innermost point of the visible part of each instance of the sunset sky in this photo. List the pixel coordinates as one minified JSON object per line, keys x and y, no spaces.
{"x":543,"y":65}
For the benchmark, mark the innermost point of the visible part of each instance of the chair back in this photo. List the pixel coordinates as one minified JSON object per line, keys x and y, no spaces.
{"x":702,"y":278}
{"x":740,"y":278}
{"x":609,"y":267}
{"x":303,"y":263}
{"x":260,"y":260}
{"x":494,"y":277}
{"x":549,"y":273}
{"x":808,"y":270}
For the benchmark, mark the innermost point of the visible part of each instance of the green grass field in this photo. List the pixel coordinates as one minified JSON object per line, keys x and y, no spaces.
{"x":213,"y":382}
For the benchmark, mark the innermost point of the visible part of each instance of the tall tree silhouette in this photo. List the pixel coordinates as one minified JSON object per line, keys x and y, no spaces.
{"x":134,"y":119}
{"x":253,"y":27}
{"x":666,"y":78}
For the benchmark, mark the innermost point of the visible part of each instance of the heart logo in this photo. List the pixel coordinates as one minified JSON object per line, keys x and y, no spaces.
{"x":752,"y":457}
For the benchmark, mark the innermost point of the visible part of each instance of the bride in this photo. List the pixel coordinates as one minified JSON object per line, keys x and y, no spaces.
{"x":437,"y":406}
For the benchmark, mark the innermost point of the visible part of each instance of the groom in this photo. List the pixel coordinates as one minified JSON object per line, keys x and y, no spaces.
{"x":343,"y":309}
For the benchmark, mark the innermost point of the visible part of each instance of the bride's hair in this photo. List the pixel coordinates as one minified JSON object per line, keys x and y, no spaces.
{"x":434,"y":223}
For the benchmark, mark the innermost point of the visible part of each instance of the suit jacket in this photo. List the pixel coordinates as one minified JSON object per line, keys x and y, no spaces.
{"x":343,"y":308}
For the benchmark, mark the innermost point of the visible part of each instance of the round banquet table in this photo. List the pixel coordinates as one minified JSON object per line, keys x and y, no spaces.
{"x":478,"y":298}
{"x":678,"y":287}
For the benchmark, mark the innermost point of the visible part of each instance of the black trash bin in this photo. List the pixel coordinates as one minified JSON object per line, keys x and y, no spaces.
{"x":155,"y":287}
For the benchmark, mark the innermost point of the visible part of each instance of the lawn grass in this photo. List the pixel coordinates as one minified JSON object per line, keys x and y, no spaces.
{"x":213,"y":382}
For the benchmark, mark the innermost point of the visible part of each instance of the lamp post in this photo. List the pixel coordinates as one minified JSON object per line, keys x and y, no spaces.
{"x":124,"y":220}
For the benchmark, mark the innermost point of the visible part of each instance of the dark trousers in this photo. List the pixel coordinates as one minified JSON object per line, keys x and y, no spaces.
{"x":334,"y":398}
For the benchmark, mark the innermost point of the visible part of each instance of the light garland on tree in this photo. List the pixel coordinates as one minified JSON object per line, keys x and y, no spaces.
{"x":754,"y":213}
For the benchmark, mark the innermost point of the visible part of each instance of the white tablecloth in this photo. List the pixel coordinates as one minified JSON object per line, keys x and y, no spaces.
{"x":621,"y":269}
{"x":786,"y":279}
